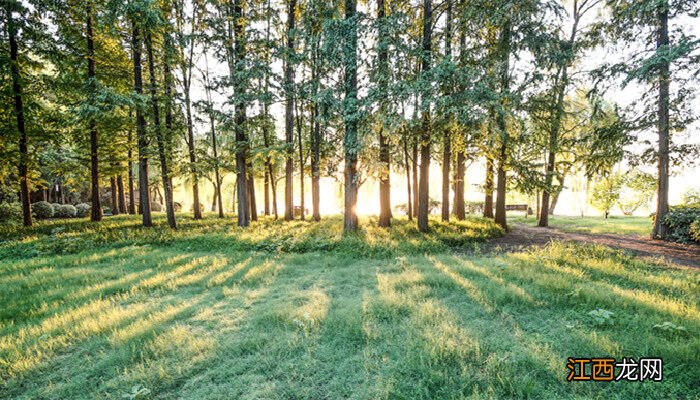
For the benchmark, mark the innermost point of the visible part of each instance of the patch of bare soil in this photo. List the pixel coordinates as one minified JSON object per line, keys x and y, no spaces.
{"x":524,"y":236}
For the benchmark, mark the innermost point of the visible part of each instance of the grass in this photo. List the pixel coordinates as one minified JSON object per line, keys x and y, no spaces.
{"x":616,"y":225}
{"x":151,"y":318}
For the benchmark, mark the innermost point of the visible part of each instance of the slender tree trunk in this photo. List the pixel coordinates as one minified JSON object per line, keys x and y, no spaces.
{"x":555,"y":199}
{"x":351,"y":142}
{"x":661,"y":230}
{"x":266,"y":186}
{"x":414,"y":172}
{"x":144,"y":192}
{"x":251,"y":193}
{"x":315,"y":138}
{"x":408,"y":177}
{"x":289,"y":115}
{"x":447,"y":139}
{"x":96,"y":207}
{"x":488,"y":188}
{"x":459,"y":186}
{"x":187,"y":80}
{"x":121,"y":196}
{"x":115,"y":195}
{"x":129,"y":155}
{"x":384,"y":154}
{"x":423,"y":192}
{"x":301,"y":156}
{"x":160,"y":141}
{"x":504,"y":48}
{"x":240,"y":119}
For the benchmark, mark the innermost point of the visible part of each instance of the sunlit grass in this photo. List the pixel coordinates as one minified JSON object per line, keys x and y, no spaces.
{"x":621,"y":225}
{"x":191,"y":322}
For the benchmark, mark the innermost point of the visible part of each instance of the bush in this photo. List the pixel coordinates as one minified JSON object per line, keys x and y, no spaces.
{"x":157,"y":207}
{"x":82,"y":210}
{"x":10,"y":212}
{"x":201,"y":207}
{"x":474,"y":207}
{"x":680,"y":219}
{"x":695,"y":230}
{"x":177,"y":206}
{"x":56,"y":207}
{"x":65,"y":211}
{"x":42,"y":210}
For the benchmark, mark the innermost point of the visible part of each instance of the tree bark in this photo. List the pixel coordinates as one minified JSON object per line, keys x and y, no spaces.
{"x":488,"y":188}
{"x":144,"y":192}
{"x":384,"y":154}
{"x":299,"y":117}
{"x":130,"y":176}
{"x":458,"y":209}
{"x":240,"y":119}
{"x":251,"y":193}
{"x":289,"y":115}
{"x":423,"y":192}
{"x":504,"y":48}
{"x":409,"y":209}
{"x":661,"y":230}
{"x":121,"y":196}
{"x":447,"y":140}
{"x":115,"y":196}
{"x":414,"y":172}
{"x":96,"y":207}
{"x":351,"y":142}
{"x":160,"y":140}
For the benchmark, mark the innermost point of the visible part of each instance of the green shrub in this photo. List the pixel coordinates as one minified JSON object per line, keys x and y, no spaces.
{"x":65,"y":211}
{"x":10,"y":212}
{"x":156,"y":207}
{"x":695,"y":230}
{"x":82,"y":210}
{"x":56,"y":207}
{"x":42,"y":210}
{"x":680,"y":219}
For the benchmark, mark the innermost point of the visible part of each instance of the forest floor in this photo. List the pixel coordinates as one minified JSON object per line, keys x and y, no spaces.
{"x":522,"y":236}
{"x":300,"y":311}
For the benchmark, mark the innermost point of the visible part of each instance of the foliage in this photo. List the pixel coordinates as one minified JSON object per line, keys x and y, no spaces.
{"x":10,"y":212}
{"x":637,"y":189}
{"x":695,"y":230}
{"x":82,"y":210}
{"x":65,"y":211}
{"x":606,"y":193}
{"x":56,"y":208}
{"x":156,"y":207}
{"x":680,"y":220}
{"x":42,"y":210}
{"x":474,"y":207}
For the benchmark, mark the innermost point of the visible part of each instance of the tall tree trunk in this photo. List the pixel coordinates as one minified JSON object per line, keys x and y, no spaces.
{"x":115,"y":196}
{"x":251,"y":193}
{"x":160,"y":140}
{"x":384,"y":154}
{"x":315,"y":137}
{"x":187,"y":83}
{"x":414,"y":172}
{"x":129,"y":155}
{"x":408,"y":177}
{"x":661,"y":230}
{"x":289,"y":115}
{"x":96,"y":207}
{"x":447,"y":139}
{"x":214,"y":146}
{"x":423,"y":192}
{"x":240,"y":118}
{"x":266,"y":187}
{"x":488,"y":188}
{"x":504,"y":48}
{"x":300,"y":125}
{"x":351,"y":142}
{"x":121,"y":196}
{"x":460,"y":173}
{"x":144,"y":192}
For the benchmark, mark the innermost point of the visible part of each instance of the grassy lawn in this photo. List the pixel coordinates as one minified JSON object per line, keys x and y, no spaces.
{"x":213,"y":311}
{"x":621,"y":225}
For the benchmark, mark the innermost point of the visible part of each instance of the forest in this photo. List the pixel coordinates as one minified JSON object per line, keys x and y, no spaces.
{"x":304,"y":199}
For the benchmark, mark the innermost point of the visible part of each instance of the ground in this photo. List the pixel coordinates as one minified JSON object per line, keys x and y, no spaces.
{"x":301,"y":311}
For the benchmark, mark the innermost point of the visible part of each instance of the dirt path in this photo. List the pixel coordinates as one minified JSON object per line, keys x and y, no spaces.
{"x":523,"y":236}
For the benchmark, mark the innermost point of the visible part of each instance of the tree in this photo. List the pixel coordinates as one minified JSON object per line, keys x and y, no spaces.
{"x":289,"y":113}
{"x":426,"y":56}
{"x":606,"y":193}
{"x":350,"y":117}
